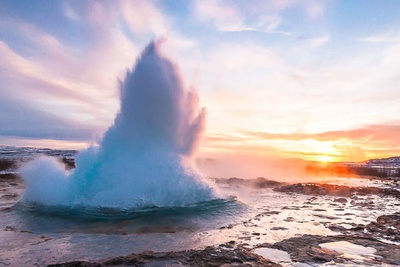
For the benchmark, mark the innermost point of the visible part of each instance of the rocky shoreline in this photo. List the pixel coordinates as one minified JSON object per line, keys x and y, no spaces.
{"x":304,"y":251}
{"x":223,"y":255}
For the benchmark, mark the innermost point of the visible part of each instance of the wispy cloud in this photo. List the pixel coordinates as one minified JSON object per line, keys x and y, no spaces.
{"x":259,"y":16}
{"x":244,"y":56}
{"x":77,"y":82}
{"x":69,"y":83}
{"x":315,"y":8}
{"x":236,"y":17}
{"x":385,"y":133}
{"x":19,"y":119}
{"x":142,"y":16}
{"x":319,"y":41}
{"x":69,"y":12}
{"x":225,"y":17}
{"x":388,"y":37}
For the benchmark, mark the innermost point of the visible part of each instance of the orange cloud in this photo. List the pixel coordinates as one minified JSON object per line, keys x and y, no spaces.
{"x":384,"y":133}
{"x":346,"y":145}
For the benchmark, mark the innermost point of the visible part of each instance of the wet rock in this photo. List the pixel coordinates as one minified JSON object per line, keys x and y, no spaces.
{"x":312,"y":189}
{"x":337,"y":228}
{"x":259,"y":182}
{"x":9,"y":196}
{"x":277,"y":228}
{"x":230,"y":244}
{"x":268,"y":213}
{"x":390,"y":220}
{"x":161,"y":229}
{"x":8,"y":164}
{"x":76,"y":264}
{"x":43,"y":239}
{"x":306,"y":248}
{"x":6,"y":209}
{"x":290,"y":208}
{"x":386,"y":226}
{"x":10,"y":229}
{"x":358,"y":227}
{"x":311,"y":203}
{"x":336,"y":190}
{"x":230,"y":226}
{"x":9,"y":177}
{"x":326,"y":216}
{"x":319,"y":209}
{"x":322,"y":255}
{"x":289,"y":219}
{"x":390,"y":256}
{"x":210,"y":257}
{"x":341,"y":200}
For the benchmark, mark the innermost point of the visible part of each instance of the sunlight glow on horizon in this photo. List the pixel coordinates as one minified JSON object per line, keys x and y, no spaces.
{"x":315,"y":80}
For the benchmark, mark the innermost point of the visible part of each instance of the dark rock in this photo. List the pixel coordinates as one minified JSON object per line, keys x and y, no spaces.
{"x":160,"y":229}
{"x":10,"y":196}
{"x":76,"y":264}
{"x":341,"y":200}
{"x":358,"y":227}
{"x":268,"y":213}
{"x":386,"y":226}
{"x":326,"y":216}
{"x":290,"y":208}
{"x":306,"y":248}
{"x":336,"y":190}
{"x":259,"y":182}
{"x":223,"y":255}
{"x":289,"y":219}
{"x":276,"y":228}
{"x":8,"y":164}
{"x":337,"y":228}
{"x":10,"y":229}
{"x":319,"y":209}
{"x":9,"y":177}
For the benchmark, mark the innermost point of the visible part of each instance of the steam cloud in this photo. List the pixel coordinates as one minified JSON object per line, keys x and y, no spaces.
{"x":144,"y":159}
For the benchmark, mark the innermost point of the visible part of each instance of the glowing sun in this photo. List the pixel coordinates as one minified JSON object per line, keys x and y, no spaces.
{"x":324,"y":158}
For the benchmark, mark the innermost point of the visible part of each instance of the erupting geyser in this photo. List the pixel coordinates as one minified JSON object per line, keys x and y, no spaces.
{"x":144,"y":159}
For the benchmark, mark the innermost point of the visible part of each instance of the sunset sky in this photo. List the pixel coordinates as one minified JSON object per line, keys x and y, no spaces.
{"x":317,"y":80}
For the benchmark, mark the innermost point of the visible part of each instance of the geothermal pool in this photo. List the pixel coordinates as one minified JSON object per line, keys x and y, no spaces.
{"x":144,"y":159}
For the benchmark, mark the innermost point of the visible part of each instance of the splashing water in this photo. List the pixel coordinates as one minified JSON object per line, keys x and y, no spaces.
{"x":144,"y":159}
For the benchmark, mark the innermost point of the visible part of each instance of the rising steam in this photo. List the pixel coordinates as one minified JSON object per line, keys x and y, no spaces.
{"x":144,"y":159}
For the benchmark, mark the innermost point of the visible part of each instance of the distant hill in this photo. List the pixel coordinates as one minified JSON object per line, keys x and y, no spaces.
{"x":391,"y":160}
{"x":11,"y":152}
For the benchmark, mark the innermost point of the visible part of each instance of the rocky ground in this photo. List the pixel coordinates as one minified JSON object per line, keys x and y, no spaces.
{"x":304,"y":251}
{"x":336,"y":190}
{"x":223,"y":255}
{"x":333,"y":207}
